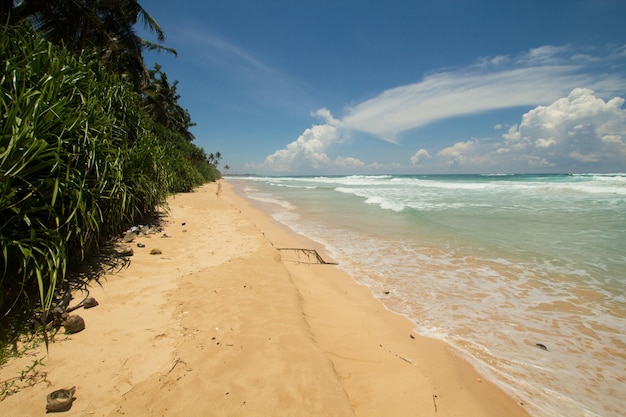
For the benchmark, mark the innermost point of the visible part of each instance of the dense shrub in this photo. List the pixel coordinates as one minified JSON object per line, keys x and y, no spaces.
{"x":80,"y":159}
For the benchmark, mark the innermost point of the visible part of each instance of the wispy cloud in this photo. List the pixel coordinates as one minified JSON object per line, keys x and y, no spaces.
{"x":222,"y":51}
{"x":538,"y":76}
{"x":243,"y":71}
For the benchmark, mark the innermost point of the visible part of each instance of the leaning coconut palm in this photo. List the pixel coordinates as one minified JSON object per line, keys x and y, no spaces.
{"x":161,"y":101}
{"x":214,"y":159}
{"x":124,"y":47}
{"x":102,"y":25}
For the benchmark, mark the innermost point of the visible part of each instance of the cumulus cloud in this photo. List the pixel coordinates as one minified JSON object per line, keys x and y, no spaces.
{"x":538,"y":76}
{"x":326,"y":116}
{"x":309,"y":150}
{"x":577,"y":132}
{"x":348,"y":162}
{"x":420,"y":156}
{"x":465,"y":154}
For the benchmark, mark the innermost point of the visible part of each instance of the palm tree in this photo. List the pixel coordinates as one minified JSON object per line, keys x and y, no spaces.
{"x":159,"y":96}
{"x":103,"y":25}
{"x":161,"y":100}
{"x":214,"y":159}
{"x":122,"y":45}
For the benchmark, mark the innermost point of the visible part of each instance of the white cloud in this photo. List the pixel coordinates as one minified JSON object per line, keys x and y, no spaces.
{"x":576,"y":133}
{"x":579,"y":132}
{"x":581,"y":127}
{"x":549,"y":54}
{"x":420,"y":156}
{"x":571,"y":128}
{"x":325,"y":115}
{"x":309,"y":151}
{"x":592,"y":157}
{"x":243,"y":72}
{"x":220,"y":51}
{"x":539,"y":76}
{"x":348,"y":162}
{"x":463,"y":155}
{"x":545,"y":143}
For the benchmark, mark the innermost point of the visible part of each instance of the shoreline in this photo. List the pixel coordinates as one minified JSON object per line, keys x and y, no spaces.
{"x":220,"y":324}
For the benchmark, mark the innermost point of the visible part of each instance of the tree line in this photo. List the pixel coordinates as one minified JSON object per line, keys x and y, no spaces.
{"x":91,"y":141}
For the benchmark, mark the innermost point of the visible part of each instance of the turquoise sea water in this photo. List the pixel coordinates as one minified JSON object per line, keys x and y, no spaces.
{"x":493,"y":265}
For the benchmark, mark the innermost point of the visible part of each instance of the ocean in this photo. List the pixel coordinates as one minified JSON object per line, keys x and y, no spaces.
{"x":523,"y":275}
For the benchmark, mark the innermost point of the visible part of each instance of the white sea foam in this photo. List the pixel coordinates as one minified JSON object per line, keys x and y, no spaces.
{"x":266,"y":198}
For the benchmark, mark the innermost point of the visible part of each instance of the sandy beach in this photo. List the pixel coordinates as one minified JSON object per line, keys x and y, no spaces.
{"x":223,"y":323}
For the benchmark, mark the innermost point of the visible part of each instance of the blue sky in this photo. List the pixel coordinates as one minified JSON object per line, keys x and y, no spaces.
{"x":370,"y":87}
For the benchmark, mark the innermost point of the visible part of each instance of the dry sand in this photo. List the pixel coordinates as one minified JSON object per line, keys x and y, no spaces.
{"x":220,"y":324}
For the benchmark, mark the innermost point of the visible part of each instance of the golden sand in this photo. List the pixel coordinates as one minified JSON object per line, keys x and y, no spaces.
{"x":220,"y":324}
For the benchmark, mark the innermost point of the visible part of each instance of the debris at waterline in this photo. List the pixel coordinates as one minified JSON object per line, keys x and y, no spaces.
{"x":140,"y":230}
{"x":60,"y":400}
{"x":311,"y":255}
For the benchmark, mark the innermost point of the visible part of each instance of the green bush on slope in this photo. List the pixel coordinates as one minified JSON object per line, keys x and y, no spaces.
{"x":80,"y":159}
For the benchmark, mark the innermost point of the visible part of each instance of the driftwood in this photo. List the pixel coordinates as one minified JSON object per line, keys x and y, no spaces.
{"x":312,"y":257}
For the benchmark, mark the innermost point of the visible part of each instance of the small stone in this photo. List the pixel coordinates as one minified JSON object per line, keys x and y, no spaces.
{"x":155,"y":252}
{"x":141,"y":245}
{"x":90,"y":302}
{"x":74,"y":324}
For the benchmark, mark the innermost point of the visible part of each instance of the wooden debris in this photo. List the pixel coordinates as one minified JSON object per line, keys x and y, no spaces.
{"x":312,"y":256}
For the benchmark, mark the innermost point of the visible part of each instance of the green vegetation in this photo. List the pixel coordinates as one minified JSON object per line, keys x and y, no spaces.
{"x":90,"y":143}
